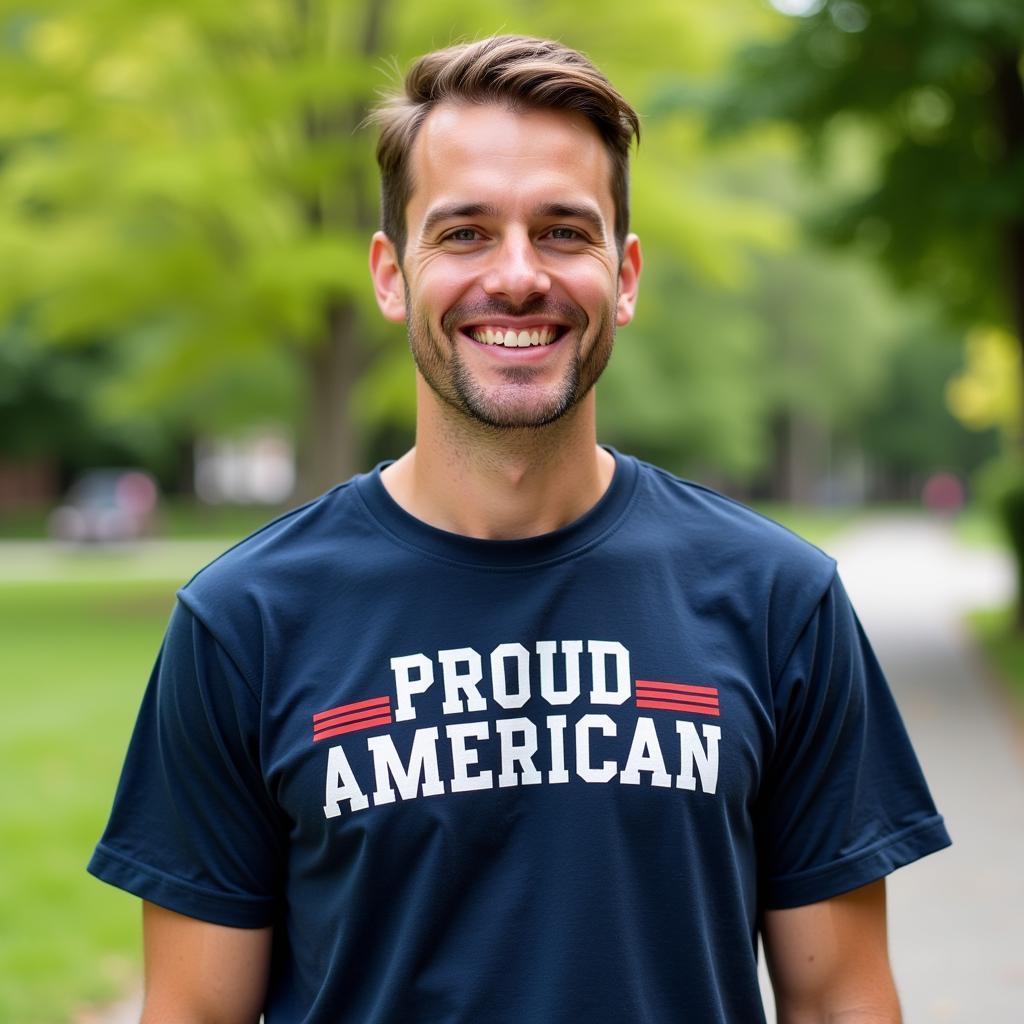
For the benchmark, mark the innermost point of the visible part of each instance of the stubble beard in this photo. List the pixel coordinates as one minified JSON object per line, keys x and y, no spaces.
{"x":517,"y":403}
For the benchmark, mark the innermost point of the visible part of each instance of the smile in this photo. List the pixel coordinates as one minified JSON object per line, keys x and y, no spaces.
{"x":507,"y":338}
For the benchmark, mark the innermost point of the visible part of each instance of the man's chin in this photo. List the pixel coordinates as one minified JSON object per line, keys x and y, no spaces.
{"x":500,"y":417}
{"x":503,"y":411}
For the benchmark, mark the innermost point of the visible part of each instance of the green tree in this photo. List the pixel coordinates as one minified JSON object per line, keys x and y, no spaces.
{"x":188,"y":181}
{"x":909,"y":430}
{"x":933,"y":90}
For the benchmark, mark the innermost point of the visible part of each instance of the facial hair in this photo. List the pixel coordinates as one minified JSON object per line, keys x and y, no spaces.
{"x":510,"y":406}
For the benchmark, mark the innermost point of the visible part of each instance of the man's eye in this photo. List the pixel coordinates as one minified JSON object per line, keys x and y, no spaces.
{"x":565,"y":234}
{"x":462,"y":235}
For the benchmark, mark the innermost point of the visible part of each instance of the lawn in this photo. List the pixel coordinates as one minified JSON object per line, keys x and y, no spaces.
{"x":178,"y":518}
{"x":1003,"y":647}
{"x":74,"y":658}
{"x":819,"y":525}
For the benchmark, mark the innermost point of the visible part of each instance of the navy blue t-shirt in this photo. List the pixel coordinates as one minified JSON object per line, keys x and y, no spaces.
{"x":551,"y":780}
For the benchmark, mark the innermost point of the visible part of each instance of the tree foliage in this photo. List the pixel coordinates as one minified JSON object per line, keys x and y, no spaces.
{"x":933,"y":88}
{"x":185,"y":187}
{"x":189,"y":182}
{"x":185,"y":180}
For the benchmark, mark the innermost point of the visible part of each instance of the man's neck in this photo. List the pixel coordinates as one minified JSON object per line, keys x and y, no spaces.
{"x":492,"y":484}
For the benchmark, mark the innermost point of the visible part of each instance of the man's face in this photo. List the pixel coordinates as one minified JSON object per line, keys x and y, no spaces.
{"x":511,"y":284}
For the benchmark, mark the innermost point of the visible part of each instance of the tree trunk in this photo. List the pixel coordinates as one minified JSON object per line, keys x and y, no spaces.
{"x":799,"y":445}
{"x":330,"y":448}
{"x":1010,"y":97}
{"x":1010,"y":93}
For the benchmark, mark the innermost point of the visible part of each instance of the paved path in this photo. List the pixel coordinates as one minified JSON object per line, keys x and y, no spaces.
{"x":40,"y":561}
{"x":957,"y":917}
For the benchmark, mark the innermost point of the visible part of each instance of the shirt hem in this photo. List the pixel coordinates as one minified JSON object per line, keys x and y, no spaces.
{"x":236,"y":910}
{"x":858,"y":869}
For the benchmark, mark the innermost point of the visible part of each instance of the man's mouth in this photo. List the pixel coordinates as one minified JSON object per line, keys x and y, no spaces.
{"x":509,"y":338}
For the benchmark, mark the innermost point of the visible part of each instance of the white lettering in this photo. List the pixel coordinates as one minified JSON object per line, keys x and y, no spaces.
{"x":388,"y":765}
{"x":645,"y":756}
{"x":691,"y":752}
{"x":499,"y":683}
{"x":467,"y":681}
{"x":584,"y":769}
{"x":599,"y":650}
{"x":463,"y":757}
{"x":556,"y":729}
{"x":571,"y":651}
{"x":513,"y":753}
{"x":341,"y":785}
{"x":406,"y":686}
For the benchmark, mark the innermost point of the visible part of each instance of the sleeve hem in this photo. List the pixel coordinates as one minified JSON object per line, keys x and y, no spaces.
{"x":851,"y":872}
{"x":237,"y":910}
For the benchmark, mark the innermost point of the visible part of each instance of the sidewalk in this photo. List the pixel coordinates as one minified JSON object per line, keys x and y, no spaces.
{"x":956,"y":918}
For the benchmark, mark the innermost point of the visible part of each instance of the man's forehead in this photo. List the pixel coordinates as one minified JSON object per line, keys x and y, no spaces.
{"x":490,"y":154}
{"x":456,"y":122}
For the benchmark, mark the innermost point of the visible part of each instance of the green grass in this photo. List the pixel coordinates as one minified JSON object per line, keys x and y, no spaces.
{"x":1002,"y":645}
{"x":74,"y":658}
{"x":186,"y":519}
{"x":978,"y":527}
{"x":180,"y":518}
{"x":817,"y":525}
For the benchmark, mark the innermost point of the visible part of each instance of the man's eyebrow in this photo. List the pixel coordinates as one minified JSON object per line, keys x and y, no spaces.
{"x":452,"y":210}
{"x":573,"y":211}
{"x":570,"y":211}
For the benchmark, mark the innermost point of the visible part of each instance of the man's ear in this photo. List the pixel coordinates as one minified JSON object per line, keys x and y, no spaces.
{"x":629,"y":280}
{"x":388,"y":282}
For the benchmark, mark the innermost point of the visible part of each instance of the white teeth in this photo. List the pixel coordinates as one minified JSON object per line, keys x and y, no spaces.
{"x":514,"y":339}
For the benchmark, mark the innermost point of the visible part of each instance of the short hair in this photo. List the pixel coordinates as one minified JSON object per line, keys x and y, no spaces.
{"x":523,"y":73}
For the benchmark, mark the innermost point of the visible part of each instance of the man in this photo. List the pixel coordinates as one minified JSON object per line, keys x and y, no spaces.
{"x":514,"y":728}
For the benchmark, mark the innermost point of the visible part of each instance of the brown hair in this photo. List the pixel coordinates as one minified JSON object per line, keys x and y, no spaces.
{"x":519,"y":71}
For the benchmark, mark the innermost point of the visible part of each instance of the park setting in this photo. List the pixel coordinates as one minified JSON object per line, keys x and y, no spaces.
{"x":830,"y":198}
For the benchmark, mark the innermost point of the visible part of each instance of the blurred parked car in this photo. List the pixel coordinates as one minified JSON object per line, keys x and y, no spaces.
{"x":107,"y":505}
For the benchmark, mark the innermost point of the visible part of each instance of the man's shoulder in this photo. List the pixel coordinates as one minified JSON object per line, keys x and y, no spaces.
{"x":279,"y":559}
{"x":734,"y":562}
{"x":711,"y":524}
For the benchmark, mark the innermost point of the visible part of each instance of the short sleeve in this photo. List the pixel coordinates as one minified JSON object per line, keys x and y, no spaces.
{"x":193,"y":827}
{"x":843,"y":801}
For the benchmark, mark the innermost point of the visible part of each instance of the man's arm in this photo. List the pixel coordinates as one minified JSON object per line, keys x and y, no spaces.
{"x":202,"y":973}
{"x":829,"y":961}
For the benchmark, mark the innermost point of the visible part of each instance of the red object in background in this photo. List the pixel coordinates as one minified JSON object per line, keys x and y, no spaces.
{"x":943,"y":493}
{"x":107,"y":505}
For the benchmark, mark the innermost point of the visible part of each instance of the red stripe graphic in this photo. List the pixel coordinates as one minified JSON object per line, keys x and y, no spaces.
{"x":386,"y":720}
{"x":360,"y":714}
{"x":680,"y":697}
{"x":672,"y":698}
{"x":711,"y":691}
{"x":693,"y":709}
{"x":372,"y":702}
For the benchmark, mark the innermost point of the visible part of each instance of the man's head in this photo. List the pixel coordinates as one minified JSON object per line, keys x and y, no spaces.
{"x":519,"y":72}
{"x":511,"y":266}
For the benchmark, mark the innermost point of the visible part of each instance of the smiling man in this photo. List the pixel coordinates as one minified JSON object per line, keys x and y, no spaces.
{"x":515,"y":728}
{"x":516,"y":341}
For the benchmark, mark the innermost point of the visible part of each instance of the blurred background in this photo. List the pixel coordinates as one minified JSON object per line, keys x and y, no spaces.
{"x":831,"y":199}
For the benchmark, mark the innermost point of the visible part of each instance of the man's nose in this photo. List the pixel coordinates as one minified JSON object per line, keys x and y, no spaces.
{"x":517,"y":272}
